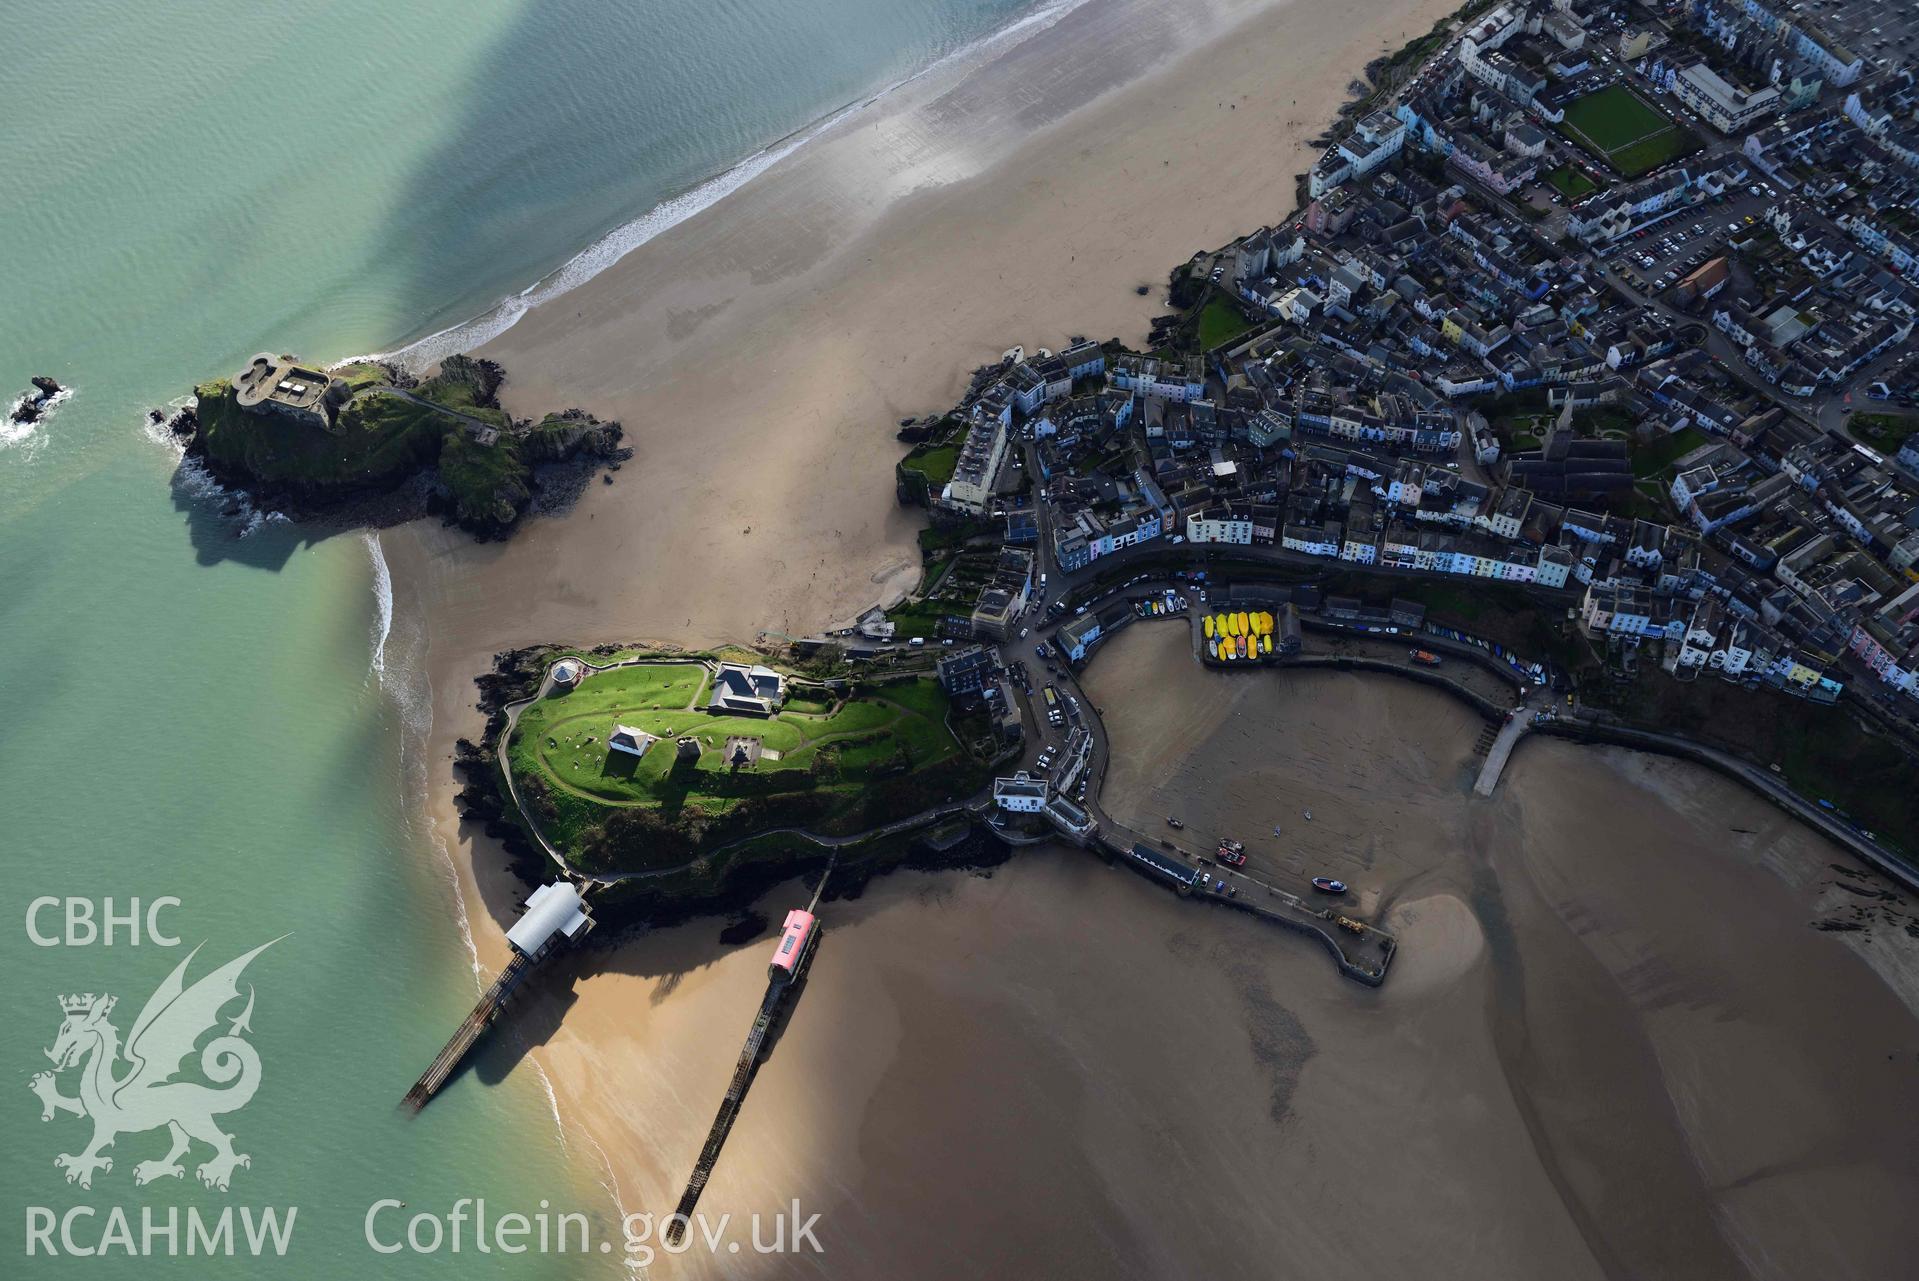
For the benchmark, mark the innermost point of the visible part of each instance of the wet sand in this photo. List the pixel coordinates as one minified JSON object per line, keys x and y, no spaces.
{"x":761,"y":354}
{"x":1612,"y":1045}
{"x":1707,"y":1085}
{"x":1059,"y":1070}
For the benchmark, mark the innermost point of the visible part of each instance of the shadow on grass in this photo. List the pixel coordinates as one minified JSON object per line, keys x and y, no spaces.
{"x":622,"y":765}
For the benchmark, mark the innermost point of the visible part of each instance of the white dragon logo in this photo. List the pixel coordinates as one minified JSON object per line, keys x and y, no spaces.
{"x":146,"y":1097}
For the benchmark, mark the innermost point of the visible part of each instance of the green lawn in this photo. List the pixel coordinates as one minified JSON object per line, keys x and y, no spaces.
{"x":1651,"y":459}
{"x":1571,"y":183}
{"x":935,"y":462}
{"x":1884,"y":431}
{"x":1219,"y":322}
{"x":1614,"y":117}
{"x":1644,"y":157}
{"x":886,"y":733}
{"x":1619,"y":126}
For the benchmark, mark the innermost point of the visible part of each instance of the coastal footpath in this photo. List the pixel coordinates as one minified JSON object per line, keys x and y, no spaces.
{"x":368,"y":443}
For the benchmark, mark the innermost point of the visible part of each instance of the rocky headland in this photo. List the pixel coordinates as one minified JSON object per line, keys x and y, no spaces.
{"x":368,"y":443}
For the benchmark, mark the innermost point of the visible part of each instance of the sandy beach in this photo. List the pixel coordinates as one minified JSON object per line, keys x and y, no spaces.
{"x":1613,"y":958}
{"x":1056,"y":1070}
{"x":1613,"y":1045}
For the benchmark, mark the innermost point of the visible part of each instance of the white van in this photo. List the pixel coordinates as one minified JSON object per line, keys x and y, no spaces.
{"x":917,"y":640}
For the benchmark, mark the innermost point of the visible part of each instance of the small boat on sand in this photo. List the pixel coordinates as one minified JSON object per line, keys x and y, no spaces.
{"x":1327,"y":885}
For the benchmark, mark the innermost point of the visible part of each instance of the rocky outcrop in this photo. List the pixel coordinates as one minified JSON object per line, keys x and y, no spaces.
{"x":568,"y":434}
{"x":483,"y":376}
{"x":32,"y":406}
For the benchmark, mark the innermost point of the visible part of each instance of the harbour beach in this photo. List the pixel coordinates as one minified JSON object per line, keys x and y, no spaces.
{"x":1226,"y":1100}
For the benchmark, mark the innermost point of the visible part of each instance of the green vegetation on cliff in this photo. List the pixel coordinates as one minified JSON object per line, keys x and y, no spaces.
{"x":385,"y":433}
{"x":829,"y":762}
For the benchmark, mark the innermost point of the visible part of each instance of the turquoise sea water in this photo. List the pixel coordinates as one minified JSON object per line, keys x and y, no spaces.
{"x":189,"y":712}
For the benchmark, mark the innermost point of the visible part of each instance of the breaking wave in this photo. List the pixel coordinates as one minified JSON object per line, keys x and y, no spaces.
{"x":624,"y":239}
{"x":15,"y":434}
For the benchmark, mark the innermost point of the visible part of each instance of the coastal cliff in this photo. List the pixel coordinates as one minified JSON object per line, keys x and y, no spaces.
{"x":367,"y":443}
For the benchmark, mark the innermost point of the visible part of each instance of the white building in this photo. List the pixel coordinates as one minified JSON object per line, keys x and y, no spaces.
{"x":1178,"y":379}
{"x":1020,"y":794}
{"x":1220,"y":525}
{"x":553,"y":913}
{"x":633,"y":742}
{"x":1727,"y":107}
{"x":971,"y":487}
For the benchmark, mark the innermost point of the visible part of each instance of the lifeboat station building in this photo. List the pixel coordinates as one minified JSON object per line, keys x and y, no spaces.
{"x":554,"y":914}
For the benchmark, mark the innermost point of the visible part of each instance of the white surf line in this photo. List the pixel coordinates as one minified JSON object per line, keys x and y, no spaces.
{"x":383,"y":601}
{"x":663,"y":217}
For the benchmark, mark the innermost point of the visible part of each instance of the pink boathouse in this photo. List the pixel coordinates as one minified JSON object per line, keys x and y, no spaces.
{"x":795,"y":938}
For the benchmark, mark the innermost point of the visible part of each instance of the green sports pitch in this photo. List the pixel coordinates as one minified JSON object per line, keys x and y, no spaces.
{"x":1620,"y":127}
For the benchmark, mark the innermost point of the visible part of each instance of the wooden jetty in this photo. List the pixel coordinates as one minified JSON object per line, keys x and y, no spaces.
{"x":556,"y":914}
{"x":791,"y":955}
{"x":484,"y":1011}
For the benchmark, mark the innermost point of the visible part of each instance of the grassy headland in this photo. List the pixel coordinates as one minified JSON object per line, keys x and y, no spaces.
{"x":836,"y":761}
